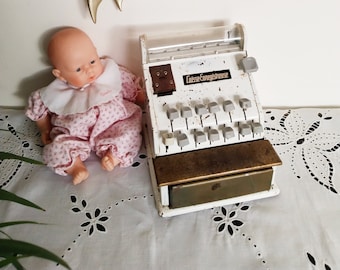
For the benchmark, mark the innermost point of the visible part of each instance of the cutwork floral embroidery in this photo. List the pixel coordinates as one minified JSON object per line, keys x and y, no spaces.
{"x":94,"y":220}
{"x":307,"y":145}
{"x":22,"y":140}
{"x":313,"y":261}
{"x":227,"y":219}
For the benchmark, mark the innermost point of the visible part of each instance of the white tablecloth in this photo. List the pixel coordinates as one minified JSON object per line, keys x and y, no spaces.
{"x":110,"y":221}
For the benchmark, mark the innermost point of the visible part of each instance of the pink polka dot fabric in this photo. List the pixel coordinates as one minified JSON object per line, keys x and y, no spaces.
{"x":113,"y":126}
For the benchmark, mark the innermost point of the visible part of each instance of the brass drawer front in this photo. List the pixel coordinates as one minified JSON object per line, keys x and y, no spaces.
{"x":215,"y":162}
{"x":193,"y":193}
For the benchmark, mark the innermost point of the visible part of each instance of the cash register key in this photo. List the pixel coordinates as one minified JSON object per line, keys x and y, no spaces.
{"x":186,"y":112}
{"x":228,"y":106}
{"x":213,"y":135}
{"x":245,"y":103}
{"x":201,"y":109}
{"x":182,"y":140}
{"x":199,"y":137}
{"x":172,"y":113}
{"x":168,"y":139}
{"x":257,"y":128}
{"x":213,"y":107}
{"x":245,"y":129}
{"x":228,"y":133}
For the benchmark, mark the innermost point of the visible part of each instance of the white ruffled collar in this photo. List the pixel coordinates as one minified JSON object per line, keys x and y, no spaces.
{"x":64,"y":99}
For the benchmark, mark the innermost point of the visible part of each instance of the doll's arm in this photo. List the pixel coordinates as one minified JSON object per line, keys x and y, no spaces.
{"x":140,"y":95}
{"x":44,"y":126}
{"x":38,"y":113}
{"x":132,"y":87}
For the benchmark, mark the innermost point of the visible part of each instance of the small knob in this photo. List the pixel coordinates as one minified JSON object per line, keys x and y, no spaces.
{"x":245,"y":129}
{"x":186,"y":112}
{"x":245,"y":103}
{"x":213,"y":135}
{"x":257,"y":128}
{"x":213,"y":107}
{"x":201,"y":109}
{"x":228,"y":132}
{"x":168,"y":139}
{"x":228,"y":106}
{"x":182,"y":140}
{"x":172,"y":113}
{"x":199,"y":137}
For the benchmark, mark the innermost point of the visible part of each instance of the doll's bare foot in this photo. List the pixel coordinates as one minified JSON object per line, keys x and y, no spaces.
{"x":78,"y":171}
{"x":109,"y":162}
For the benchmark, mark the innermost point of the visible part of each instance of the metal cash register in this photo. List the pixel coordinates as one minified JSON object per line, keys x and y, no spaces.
{"x":203,"y":122}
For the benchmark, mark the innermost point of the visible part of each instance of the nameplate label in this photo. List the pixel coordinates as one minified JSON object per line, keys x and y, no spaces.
{"x":204,"y":77}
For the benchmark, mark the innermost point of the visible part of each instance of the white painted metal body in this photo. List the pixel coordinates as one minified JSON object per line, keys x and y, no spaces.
{"x":204,"y":110}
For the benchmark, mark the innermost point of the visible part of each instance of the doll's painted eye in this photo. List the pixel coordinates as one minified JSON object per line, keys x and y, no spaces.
{"x":92,"y":62}
{"x":78,"y":69}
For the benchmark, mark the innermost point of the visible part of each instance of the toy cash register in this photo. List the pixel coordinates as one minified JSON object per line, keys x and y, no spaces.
{"x":203,"y":121}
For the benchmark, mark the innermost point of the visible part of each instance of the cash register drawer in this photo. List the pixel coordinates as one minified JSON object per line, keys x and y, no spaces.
{"x":220,"y":188}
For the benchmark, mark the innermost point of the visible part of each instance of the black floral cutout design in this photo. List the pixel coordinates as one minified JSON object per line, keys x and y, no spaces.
{"x":313,"y":261}
{"x":137,"y":163}
{"x":306,"y":143}
{"x":94,"y":220}
{"x":229,"y":223}
{"x":227,"y":219}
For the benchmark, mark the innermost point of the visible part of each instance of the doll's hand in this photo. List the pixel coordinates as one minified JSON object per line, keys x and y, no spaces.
{"x":141,"y":95}
{"x":44,"y":126}
{"x":141,"y":98}
{"x":45,"y":137}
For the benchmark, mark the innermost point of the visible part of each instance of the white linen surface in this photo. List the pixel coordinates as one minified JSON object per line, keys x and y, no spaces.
{"x":110,"y":221}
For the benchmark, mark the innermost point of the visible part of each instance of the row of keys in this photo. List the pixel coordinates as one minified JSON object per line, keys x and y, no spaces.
{"x":201,"y":115}
{"x":212,"y":135}
{"x":212,"y":107}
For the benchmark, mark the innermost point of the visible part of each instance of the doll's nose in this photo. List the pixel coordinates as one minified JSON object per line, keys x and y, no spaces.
{"x":89,"y":70}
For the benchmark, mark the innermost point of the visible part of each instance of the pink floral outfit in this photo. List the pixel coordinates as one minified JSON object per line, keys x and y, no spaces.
{"x":100,"y":117}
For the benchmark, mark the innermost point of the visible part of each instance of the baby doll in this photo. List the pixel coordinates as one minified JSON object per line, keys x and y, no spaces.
{"x":90,"y":106}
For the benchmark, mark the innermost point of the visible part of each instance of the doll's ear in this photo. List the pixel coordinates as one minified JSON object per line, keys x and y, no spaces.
{"x":57,"y":73}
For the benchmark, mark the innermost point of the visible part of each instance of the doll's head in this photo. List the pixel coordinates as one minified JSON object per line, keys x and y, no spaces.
{"x":74,"y":57}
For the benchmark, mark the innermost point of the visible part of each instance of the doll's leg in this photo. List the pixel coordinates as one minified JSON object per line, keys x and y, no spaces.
{"x":120,"y":143}
{"x":78,"y":171}
{"x":109,"y":161}
{"x":65,"y":155}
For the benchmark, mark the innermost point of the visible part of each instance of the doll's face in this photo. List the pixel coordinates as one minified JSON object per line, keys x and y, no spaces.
{"x":75,"y":58}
